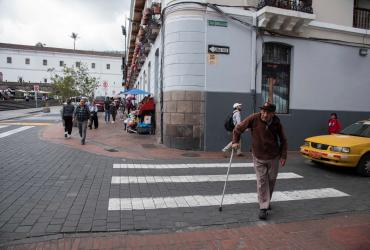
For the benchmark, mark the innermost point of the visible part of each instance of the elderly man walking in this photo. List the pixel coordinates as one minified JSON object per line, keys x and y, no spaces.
{"x":269,"y":146}
{"x":82,"y":115}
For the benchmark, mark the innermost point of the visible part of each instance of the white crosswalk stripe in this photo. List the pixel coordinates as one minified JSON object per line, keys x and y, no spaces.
{"x":192,"y":178}
{"x":14,"y":131}
{"x":170,"y":166}
{"x":142,"y":203}
{"x":3,"y":126}
{"x":230,"y":199}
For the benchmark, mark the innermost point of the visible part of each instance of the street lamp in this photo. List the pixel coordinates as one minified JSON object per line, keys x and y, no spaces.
{"x":124,"y":59}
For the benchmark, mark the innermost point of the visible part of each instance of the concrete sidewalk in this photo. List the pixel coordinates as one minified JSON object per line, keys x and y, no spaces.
{"x":339,"y":231}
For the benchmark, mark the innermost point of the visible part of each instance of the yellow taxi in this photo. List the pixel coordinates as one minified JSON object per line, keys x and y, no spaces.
{"x":349,"y":148}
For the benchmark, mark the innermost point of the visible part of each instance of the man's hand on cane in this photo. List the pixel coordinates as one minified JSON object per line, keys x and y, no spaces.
{"x":235,"y":146}
{"x":282,"y":162}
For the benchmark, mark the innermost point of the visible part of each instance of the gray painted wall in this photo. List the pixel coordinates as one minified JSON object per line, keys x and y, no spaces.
{"x":298,"y":125}
{"x":219,"y":105}
{"x":327,"y":76}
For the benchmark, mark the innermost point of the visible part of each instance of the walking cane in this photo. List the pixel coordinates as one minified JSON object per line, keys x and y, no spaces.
{"x":227,"y":177}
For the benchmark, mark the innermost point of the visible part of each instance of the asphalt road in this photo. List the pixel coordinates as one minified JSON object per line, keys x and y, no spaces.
{"x":47,"y":189}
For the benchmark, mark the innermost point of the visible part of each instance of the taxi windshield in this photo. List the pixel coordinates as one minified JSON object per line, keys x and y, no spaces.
{"x":357,"y":129}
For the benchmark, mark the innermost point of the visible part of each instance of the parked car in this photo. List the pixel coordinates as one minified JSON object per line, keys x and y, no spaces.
{"x":99,"y":100}
{"x":349,"y":148}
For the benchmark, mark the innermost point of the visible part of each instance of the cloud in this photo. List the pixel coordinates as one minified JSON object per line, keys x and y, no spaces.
{"x":52,"y":21}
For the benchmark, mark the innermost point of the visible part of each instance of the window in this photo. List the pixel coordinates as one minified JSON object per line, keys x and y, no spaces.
{"x":27,"y":61}
{"x":45,"y":62}
{"x":61,"y":63}
{"x":78,"y":64}
{"x":20,"y":79}
{"x":276,"y":75}
{"x":8,"y":60}
{"x":108,"y":66}
{"x":45,"y":80}
{"x":93,"y":65}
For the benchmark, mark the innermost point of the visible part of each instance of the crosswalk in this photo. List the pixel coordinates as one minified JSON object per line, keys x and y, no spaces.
{"x":156,"y":175}
{"x":13,"y":130}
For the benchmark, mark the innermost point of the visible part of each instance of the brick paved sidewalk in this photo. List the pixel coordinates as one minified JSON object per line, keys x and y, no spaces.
{"x":111,"y":140}
{"x":347,"y":231}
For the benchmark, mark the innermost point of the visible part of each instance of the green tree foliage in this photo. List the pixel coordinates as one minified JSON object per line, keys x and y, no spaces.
{"x":74,"y":81}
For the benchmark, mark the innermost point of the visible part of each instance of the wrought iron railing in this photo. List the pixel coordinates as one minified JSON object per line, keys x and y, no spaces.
{"x":297,"y":5}
{"x":361,"y":18}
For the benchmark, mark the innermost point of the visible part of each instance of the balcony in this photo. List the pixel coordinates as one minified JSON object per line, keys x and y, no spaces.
{"x":361,"y":18}
{"x":285,"y":15}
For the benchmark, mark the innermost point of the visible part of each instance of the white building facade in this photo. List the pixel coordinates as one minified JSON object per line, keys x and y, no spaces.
{"x":308,"y":57}
{"x":30,"y":64}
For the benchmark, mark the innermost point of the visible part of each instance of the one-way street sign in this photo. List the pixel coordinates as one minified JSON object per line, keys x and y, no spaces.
{"x":216,"y":49}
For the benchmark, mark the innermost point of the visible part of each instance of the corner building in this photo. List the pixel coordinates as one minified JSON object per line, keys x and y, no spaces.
{"x":197,"y":59}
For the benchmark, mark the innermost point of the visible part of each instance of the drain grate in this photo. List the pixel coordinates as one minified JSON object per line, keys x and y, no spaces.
{"x":111,"y":150}
{"x":148,"y":145}
{"x":190,"y":155}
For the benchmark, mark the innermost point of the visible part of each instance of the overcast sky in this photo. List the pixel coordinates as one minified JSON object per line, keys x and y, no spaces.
{"x":97,"y":23}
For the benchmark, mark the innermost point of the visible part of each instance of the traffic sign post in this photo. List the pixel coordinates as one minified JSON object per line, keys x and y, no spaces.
{"x":36,"y":88}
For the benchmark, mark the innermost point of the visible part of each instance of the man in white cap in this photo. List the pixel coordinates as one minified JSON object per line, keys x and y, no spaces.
{"x":236,"y":120}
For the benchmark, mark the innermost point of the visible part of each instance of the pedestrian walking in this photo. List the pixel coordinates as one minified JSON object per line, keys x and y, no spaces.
{"x":82,"y":115}
{"x":113,"y":111}
{"x":333,"y":124}
{"x":93,"y":115}
{"x":269,"y":146}
{"x":106,"y":110}
{"x":236,"y":118}
{"x":67,"y":114}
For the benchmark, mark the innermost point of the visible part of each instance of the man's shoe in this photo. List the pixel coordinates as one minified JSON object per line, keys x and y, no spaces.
{"x":65,"y":134}
{"x":263,"y":214}
{"x":82,"y":143}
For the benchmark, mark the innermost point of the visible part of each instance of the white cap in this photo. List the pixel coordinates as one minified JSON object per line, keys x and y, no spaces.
{"x":237,"y":105}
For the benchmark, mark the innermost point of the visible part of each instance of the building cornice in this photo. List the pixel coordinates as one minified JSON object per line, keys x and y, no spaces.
{"x":58,"y":50}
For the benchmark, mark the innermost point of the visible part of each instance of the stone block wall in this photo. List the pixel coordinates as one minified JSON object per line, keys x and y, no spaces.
{"x":183,"y":119}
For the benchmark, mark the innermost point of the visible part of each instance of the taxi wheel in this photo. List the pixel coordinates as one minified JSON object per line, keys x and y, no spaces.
{"x":363,"y":167}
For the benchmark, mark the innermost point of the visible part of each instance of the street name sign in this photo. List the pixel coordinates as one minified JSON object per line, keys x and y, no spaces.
{"x":217,"y":23}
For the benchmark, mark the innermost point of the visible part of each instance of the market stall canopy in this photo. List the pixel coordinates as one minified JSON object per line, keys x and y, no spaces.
{"x":135,"y":92}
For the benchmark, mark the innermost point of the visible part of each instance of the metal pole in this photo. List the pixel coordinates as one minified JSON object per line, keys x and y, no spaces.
{"x":36,"y":98}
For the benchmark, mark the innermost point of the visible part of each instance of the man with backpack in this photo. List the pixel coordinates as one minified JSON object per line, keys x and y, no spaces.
{"x":231,"y":121}
{"x":269,"y":146}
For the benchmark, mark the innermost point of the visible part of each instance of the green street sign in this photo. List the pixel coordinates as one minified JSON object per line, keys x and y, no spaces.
{"x":217,"y":23}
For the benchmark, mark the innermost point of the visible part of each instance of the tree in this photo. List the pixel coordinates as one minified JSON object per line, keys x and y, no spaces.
{"x":40,"y":44}
{"x":74,"y":82}
{"x":74,"y":36}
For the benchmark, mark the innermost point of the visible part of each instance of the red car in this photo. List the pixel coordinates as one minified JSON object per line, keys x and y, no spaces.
{"x":99,"y":100}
